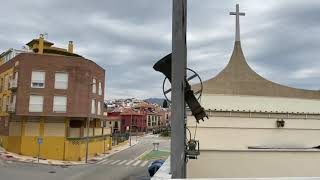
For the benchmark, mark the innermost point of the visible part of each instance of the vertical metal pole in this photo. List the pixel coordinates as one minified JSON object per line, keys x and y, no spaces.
{"x":38,"y":151}
{"x":130,"y":129}
{"x":179,"y":62}
{"x":87,"y":139}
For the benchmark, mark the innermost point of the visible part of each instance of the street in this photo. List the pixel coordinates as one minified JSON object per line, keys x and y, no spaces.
{"x":124,"y":165}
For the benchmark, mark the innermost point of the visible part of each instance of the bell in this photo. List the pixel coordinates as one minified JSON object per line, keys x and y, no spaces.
{"x":164,"y":66}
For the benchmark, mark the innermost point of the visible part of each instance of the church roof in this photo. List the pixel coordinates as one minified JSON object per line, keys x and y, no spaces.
{"x":237,"y":78}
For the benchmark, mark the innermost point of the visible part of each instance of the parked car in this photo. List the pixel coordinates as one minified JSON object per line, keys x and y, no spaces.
{"x":154,"y":167}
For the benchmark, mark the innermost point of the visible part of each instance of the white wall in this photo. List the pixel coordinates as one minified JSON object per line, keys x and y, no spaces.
{"x":239,"y":133}
{"x":229,"y":164}
{"x":224,"y":145}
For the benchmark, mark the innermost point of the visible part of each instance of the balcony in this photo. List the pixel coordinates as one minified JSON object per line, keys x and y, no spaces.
{"x":11,"y":108}
{"x":13,"y":84}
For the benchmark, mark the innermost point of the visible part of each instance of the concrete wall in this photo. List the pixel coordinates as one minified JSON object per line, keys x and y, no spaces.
{"x":224,"y":143}
{"x":238,"y":133}
{"x":241,"y":164}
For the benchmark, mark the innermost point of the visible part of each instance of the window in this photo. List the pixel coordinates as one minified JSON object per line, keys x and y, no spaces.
{"x":93,"y":106}
{"x":94,"y":88}
{"x":149,"y":122}
{"x":61,"y":80}
{"x":99,"y":108}
{"x":38,"y":79}
{"x":36,"y":103}
{"x":100,"y":88}
{"x":60,"y":104}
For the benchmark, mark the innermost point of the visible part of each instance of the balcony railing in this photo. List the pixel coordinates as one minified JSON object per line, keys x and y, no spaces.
{"x":11,"y":108}
{"x":13,"y":84}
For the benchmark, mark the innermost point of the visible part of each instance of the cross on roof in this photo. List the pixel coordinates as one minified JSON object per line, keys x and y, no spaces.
{"x":237,"y":14}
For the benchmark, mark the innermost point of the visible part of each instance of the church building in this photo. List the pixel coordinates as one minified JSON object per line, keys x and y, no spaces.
{"x":256,"y":128}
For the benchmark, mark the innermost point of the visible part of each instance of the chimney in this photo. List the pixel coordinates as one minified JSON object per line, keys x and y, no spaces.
{"x":41,"y":44}
{"x":70,"y":47}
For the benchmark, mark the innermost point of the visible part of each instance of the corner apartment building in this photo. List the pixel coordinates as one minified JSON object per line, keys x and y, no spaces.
{"x":52,"y":94}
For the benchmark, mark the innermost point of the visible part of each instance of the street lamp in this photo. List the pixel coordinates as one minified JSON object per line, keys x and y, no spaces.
{"x":88,"y":120}
{"x":130,"y":129}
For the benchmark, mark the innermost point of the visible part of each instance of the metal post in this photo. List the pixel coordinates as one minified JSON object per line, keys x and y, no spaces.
{"x":87,"y":139}
{"x":130,"y":130}
{"x":179,"y":62}
{"x":39,"y":152}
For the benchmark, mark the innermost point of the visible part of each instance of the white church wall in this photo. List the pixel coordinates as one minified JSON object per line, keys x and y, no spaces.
{"x":259,"y":103}
{"x":234,"y":133}
{"x":247,"y":164}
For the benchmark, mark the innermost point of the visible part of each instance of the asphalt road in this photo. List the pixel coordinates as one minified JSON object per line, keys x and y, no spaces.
{"x":123,"y":165}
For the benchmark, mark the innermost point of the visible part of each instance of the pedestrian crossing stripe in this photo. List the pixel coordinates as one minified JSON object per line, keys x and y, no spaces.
{"x":144,"y":163}
{"x":114,"y":162}
{"x":136,"y":163}
{"x":128,"y":163}
{"x":122,"y":162}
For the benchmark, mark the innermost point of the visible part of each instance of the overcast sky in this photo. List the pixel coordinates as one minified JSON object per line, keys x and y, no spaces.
{"x":280,"y":39}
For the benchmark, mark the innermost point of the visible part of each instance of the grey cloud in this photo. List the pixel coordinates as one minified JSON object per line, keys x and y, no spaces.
{"x":126,"y":38}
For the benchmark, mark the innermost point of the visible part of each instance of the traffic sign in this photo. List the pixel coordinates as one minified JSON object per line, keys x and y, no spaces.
{"x":40,"y":140}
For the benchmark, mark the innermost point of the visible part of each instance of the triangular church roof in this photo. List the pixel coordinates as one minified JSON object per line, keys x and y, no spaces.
{"x":237,"y":78}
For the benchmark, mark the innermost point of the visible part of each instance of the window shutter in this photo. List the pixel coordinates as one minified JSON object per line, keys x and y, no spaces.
{"x":61,"y":80}
{"x":60,"y":104}
{"x":36,"y":103}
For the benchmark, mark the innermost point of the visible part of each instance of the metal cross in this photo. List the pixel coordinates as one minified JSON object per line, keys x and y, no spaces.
{"x":237,"y":14}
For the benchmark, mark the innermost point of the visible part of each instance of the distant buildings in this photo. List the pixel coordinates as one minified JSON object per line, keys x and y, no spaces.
{"x":49,"y":93}
{"x":137,"y":115}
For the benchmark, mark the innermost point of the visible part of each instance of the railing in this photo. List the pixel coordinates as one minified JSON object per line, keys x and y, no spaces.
{"x":119,"y":138}
{"x":13,"y":84}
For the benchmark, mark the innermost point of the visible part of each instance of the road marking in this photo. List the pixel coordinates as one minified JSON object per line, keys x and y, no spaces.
{"x":144,"y":163}
{"x":122,"y":162}
{"x":128,"y":163}
{"x":108,"y":162}
{"x":136,"y":163}
{"x":102,"y":161}
{"x":114,"y":162}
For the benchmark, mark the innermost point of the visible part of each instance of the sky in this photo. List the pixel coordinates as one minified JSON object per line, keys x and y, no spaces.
{"x":126,"y":37}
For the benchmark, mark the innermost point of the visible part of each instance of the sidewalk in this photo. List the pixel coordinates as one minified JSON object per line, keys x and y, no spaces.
{"x":9,"y":156}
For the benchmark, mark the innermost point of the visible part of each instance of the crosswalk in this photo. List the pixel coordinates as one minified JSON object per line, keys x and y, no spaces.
{"x":118,"y":162}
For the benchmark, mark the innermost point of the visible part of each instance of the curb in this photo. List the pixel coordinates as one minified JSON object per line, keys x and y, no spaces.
{"x":14,"y":159}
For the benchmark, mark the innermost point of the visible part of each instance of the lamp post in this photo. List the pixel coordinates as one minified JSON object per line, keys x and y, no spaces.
{"x":87,"y":138}
{"x":88,"y":122}
{"x":130,"y":130}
